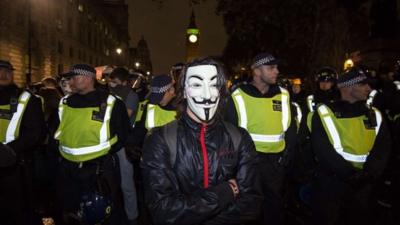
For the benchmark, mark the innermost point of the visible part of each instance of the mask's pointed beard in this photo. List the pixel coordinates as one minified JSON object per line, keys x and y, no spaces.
{"x":207,"y":114}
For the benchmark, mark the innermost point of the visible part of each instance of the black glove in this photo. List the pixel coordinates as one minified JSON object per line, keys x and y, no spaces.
{"x":133,"y":153}
{"x":359,"y":180}
{"x":8,"y":157}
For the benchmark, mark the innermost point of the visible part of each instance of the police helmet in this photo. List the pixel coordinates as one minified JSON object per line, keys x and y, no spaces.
{"x":94,"y":208}
{"x":326,"y":74}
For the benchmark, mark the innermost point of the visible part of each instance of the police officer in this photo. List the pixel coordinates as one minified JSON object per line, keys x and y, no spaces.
{"x":325,"y":90}
{"x":160,"y":110}
{"x":92,"y":126}
{"x":21,"y":130}
{"x":352,"y":143}
{"x":264,"y":109}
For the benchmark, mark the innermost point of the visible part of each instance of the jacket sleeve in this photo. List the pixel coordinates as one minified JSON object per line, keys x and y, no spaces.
{"x":380,"y":152}
{"x":32,"y":127}
{"x":290,"y":140}
{"x":166,"y":202}
{"x":247,"y":206}
{"x":329,"y":160}
{"x":119,"y":124}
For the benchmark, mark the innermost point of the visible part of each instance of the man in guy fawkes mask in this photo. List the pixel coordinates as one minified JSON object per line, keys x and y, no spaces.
{"x":202,"y":166}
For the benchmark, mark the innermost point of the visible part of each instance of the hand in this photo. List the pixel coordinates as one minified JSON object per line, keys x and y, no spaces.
{"x":7,"y":155}
{"x":133,"y":153}
{"x":234,"y":186}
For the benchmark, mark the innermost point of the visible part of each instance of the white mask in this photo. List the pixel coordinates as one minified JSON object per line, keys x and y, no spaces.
{"x":201,"y":91}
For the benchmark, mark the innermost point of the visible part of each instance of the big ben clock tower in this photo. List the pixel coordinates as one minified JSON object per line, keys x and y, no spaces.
{"x":192,"y":39}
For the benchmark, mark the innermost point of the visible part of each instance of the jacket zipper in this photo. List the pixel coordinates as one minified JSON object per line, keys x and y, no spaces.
{"x":204,"y":153}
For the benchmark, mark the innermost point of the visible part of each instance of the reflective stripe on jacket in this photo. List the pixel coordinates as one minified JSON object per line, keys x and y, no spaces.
{"x":310,"y":103}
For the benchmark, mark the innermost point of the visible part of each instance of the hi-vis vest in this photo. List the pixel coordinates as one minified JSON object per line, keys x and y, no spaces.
{"x":84,"y":133}
{"x":310,"y":103}
{"x":351,"y":138}
{"x":10,"y":120}
{"x":299,"y":114}
{"x":140,"y":111}
{"x":309,"y":120}
{"x":157,"y":117}
{"x":266,"y":119}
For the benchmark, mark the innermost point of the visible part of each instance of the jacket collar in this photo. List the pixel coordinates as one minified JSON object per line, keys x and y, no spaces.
{"x":190,"y":123}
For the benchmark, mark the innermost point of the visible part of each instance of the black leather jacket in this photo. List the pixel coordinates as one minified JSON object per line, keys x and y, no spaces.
{"x":176,"y":194}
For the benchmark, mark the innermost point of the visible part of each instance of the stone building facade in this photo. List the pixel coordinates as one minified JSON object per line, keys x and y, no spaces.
{"x":60,"y":33}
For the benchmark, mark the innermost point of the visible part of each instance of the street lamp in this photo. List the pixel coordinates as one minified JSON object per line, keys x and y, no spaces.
{"x":118,"y":51}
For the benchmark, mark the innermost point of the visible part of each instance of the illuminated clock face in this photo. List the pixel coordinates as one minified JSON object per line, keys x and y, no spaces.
{"x":192,"y":38}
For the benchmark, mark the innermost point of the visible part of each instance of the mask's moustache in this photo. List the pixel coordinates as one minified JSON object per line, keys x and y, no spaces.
{"x":205,"y":101}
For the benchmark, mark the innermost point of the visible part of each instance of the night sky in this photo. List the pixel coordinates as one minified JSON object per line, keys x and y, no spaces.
{"x":164,"y":29}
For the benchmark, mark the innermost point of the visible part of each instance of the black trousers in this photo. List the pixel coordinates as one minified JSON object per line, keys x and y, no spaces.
{"x":75,"y":180}
{"x":336,"y":202}
{"x":15,"y":195}
{"x":272,"y":176}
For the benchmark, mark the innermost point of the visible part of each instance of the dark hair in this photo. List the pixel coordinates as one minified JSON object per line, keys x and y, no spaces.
{"x":121,"y":73}
{"x":221,"y":83}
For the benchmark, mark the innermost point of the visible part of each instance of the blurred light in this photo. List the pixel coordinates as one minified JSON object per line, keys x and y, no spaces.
{"x":137,"y":64}
{"x":296,"y":81}
{"x":348,"y":64}
{"x":48,"y":221}
{"x":119,"y":51}
{"x":148,"y":72}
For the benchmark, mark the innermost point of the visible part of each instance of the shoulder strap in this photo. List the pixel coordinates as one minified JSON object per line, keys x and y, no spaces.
{"x":234,"y":134}
{"x":169,"y":132}
{"x":104,"y":103}
{"x":14,"y":100}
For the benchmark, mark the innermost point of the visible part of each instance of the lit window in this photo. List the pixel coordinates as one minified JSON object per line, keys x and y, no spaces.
{"x":59,"y":24}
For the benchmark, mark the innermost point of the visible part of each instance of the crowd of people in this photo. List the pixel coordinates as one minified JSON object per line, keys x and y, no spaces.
{"x":184,"y":148}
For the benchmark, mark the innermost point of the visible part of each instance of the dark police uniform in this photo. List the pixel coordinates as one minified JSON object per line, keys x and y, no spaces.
{"x":273,"y":155}
{"x":352,"y":144}
{"x":82,"y":168}
{"x":21,"y":129}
